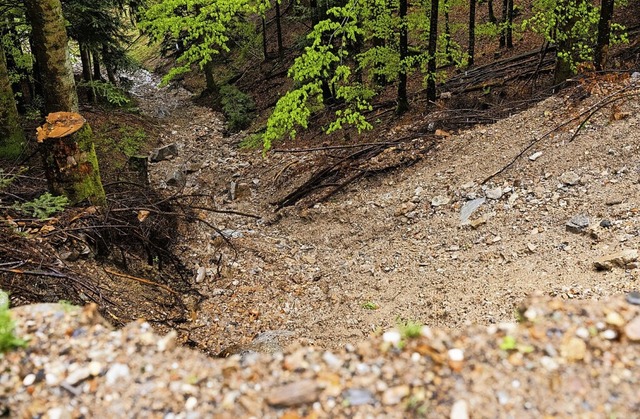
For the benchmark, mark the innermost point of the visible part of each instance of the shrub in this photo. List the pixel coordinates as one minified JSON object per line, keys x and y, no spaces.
{"x":238,"y":107}
{"x":8,"y":340}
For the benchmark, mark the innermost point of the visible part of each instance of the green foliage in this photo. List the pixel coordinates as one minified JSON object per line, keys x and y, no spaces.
{"x":238,"y":107}
{"x":201,"y":28}
{"x":509,"y":343}
{"x":6,"y":179}
{"x":131,"y":140}
{"x":409,"y":329}
{"x":44,"y":206}
{"x":8,"y":339}
{"x":369,"y":305}
{"x":108,"y":92}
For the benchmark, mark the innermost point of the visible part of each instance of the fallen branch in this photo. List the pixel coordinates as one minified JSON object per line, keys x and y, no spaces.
{"x":142,"y":280}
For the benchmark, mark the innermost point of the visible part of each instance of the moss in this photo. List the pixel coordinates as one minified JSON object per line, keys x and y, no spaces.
{"x":12,"y":140}
{"x":88,"y":185}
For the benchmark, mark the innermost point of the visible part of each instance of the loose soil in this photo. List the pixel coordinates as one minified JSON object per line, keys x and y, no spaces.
{"x":380,"y":251}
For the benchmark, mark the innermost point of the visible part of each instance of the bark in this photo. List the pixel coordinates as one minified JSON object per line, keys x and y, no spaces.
{"x":50,"y":46}
{"x":97,"y":69}
{"x":279,"y":30}
{"x":447,"y":31}
{"x":111,"y":71}
{"x":431,"y":49}
{"x":85,"y":58}
{"x":492,"y":15}
{"x":265,"y":52}
{"x":403,"y":102}
{"x":509,"y":29}
{"x":604,"y":34}
{"x":12,"y":140}
{"x":71,"y":166}
{"x":211,"y":85}
{"x":472,"y":31}
{"x":503,"y":31}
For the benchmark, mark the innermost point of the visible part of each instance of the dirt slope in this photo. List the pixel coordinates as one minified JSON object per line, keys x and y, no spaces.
{"x":382,"y":250}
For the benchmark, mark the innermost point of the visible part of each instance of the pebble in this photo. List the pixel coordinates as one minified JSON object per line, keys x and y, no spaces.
{"x":392,"y":336}
{"x":78,"y":376}
{"x":394,"y":395}
{"x":460,"y":410}
{"x":440,"y":200}
{"x":574,"y":349}
{"x":569,"y":178}
{"x":535,"y":156}
{"x":632,"y":329}
{"x":633,"y":297}
{"x":293,"y":394}
{"x":29,"y":379}
{"x":577,"y":224}
{"x":494,"y":193}
{"x":615,"y":319}
{"x":358,"y":396}
{"x":117,"y":372}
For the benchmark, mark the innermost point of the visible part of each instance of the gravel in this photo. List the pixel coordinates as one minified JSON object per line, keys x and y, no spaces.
{"x":565,"y":358}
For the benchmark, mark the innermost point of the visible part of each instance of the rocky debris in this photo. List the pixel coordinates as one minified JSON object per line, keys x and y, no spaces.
{"x":469,"y":208}
{"x":570,"y":178}
{"x":535,"y":156}
{"x":164,"y":153}
{"x":440,"y":200}
{"x":625,"y":259}
{"x":75,"y":365}
{"x":494,"y":193}
{"x":578,"y":224}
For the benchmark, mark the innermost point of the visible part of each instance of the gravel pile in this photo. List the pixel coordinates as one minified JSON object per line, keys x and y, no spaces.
{"x":564,"y":359}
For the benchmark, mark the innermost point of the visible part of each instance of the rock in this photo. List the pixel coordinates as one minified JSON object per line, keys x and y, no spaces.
{"x":620,"y":259}
{"x":116,"y":373}
{"x":635,"y":75}
{"x":494,"y":193}
{"x":632,"y":329}
{"x":459,"y":410}
{"x":535,"y":155}
{"x":605,"y":223}
{"x":177,"y":178}
{"x":164,"y":153}
{"x":531,"y":247}
{"x":440,"y":200}
{"x":469,"y":208}
{"x":358,"y":396}
{"x":615,"y":319}
{"x":633,"y":298}
{"x":478,"y":222}
{"x":578,"y":224}
{"x":569,"y":178}
{"x":78,"y":376}
{"x":614,"y":201}
{"x":394,"y":395}
{"x":294,"y":394}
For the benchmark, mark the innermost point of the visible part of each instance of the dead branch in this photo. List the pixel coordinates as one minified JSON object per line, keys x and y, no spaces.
{"x":142,"y":280}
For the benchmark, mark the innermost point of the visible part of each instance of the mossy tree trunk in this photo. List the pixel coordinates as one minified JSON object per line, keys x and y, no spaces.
{"x":72,"y":166}
{"x":12,"y":138}
{"x":50,"y":47}
{"x":70,"y":159}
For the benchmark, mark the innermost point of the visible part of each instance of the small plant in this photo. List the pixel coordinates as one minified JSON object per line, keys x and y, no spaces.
{"x":43,"y":206}
{"x":369,"y":305}
{"x":509,"y":343}
{"x":8,"y":339}
{"x":107,"y":91}
{"x":131,"y":140}
{"x":6,"y":179}
{"x":409,"y":329}
{"x":238,"y":107}
{"x":67,"y":306}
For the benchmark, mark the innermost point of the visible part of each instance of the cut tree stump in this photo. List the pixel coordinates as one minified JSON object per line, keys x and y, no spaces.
{"x":70,"y":160}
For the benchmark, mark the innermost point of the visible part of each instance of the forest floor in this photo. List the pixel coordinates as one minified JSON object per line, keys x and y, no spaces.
{"x":392,"y":247}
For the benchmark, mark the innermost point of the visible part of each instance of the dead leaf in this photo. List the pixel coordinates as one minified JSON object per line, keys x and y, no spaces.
{"x":47,"y":229}
{"x":142,"y":215}
{"x":442,"y":133}
{"x":617,"y":114}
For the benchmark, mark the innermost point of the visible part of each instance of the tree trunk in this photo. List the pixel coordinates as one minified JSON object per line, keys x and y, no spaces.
{"x":70,"y":161}
{"x":265,"y":51}
{"x":97,"y":70}
{"x":431,"y":50}
{"x":472,"y":31}
{"x":510,"y":24}
{"x":403,"y":102}
{"x":447,"y":32}
{"x":52,"y":53}
{"x":108,"y":64}
{"x":12,"y":140}
{"x":211,"y":85}
{"x":492,"y":15}
{"x":503,"y":23}
{"x":85,"y":59}
{"x":279,"y":30}
{"x":604,"y":34}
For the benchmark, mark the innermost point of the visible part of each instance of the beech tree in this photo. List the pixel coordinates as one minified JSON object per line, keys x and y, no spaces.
{"x":604,"y":34}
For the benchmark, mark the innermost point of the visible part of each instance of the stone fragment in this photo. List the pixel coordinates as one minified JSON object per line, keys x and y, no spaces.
{"x":620,"y":259}
{"x":78,"y":376}
{"x":459,"y":410}
{"x":469,"y":208}
{"x":633,"y":298}
{"x":358,"y":396}
{"x":632,"y":329}
{"x":294,"y":394}
{"x":117,"y":372}
{"x":573,"y":349}
{"x":535,"y":156}
{"x":394,"y":395}
{"x":605,"y":223}
{"x":494,"y":193}
{"x":577,"y":224}
{"x":531,"y":247}
{"x":164,"y":153}
{"x":569,"y":178}
{"x":615,"y":319}
{"x":177,"y":178}
{"x":440,"y":200}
